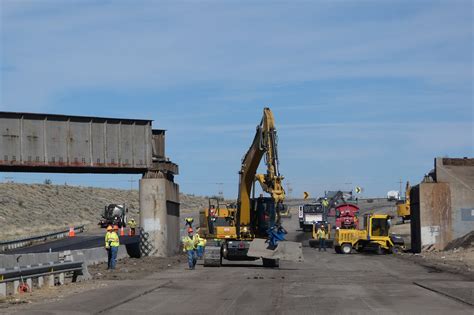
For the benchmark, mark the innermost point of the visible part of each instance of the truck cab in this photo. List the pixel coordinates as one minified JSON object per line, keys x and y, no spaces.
{"x":310,"y":214}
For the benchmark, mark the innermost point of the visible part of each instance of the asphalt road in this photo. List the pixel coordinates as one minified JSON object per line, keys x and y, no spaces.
{"x":324,"y":283}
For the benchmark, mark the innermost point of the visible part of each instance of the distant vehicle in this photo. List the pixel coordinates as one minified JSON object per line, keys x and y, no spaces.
{"x":347,"y":216}
{"x":114,"y":214}
{"x":403,"y":207}
{"x":393,"y":195}
{"x":284,"y":210}
{"x":338,"y":195}
{"x":310,"y":214}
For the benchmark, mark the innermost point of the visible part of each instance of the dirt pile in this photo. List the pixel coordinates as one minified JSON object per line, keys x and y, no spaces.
{"x":466,"y":241}
{"x":133,"y":268}
{"x":27,"y":210}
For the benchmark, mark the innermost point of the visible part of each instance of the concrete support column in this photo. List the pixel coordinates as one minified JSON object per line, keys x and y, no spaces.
{"x":16,"y":284}
{"x":51,"y":281}
{"x":159,"y":217}
{"x":29,"y":283}
{"x":40,"y":282}
{"x":61,"y":278}
{"x":3,"y":290}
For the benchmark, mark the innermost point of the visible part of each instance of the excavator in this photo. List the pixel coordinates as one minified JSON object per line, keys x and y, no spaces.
{"x":254,"y":230}
{"x":403,"y":208}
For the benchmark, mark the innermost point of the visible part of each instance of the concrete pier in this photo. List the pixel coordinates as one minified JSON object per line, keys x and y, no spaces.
{"x":159,"y":216}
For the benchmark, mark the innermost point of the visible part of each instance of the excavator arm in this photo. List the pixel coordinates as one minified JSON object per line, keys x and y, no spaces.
{"x":264,"y":145}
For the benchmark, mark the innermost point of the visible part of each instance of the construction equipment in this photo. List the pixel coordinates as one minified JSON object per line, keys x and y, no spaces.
{"x":375,"y":236}
{"x":217,"y":221}
{"x":347,"y":216}
{"x":314,"y":242}
{"x":114,"y":214}
{"x":310,"y":214}
{"x":403,"y":208}
{"x":284,"y":211}
{"x":254,"y":230}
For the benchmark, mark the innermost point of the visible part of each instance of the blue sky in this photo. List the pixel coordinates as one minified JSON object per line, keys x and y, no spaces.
{"x":364,"y":92}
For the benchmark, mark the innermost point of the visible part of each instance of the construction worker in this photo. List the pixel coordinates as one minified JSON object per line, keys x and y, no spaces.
{"x":132,"y":225}
{"x":189,"y":245}
{"x":112,"y":244}
{"x":325,"y":203}
{"x":201,"y":243}
{"x":322,"y":236}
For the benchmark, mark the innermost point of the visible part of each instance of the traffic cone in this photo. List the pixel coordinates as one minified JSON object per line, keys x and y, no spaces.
{"x":72,"y":233}
{"x":122,"y":233}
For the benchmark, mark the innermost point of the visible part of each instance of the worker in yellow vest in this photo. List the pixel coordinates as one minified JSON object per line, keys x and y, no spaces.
{"x":201,"y":244}
{"x":322,"y":236}
{"x":112,"y":244}
{"x":132,"y":225}
{"x":189,"y":245}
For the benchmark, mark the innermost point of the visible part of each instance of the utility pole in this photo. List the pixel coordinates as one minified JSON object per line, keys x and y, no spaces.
{"x":221,"y":190}
{"x":289,"y":189}
{"x":400,"y":185}
{"x":131,"y":180}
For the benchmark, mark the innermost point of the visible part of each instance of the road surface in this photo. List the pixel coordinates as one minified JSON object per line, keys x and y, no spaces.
{"x":325,"y":283}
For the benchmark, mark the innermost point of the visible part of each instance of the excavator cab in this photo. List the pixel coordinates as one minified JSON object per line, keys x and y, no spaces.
{"x":265,"y":215}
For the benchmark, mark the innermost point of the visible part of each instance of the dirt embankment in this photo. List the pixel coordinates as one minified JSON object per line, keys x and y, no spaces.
{"x":458,"y":257}
{"x":27,"y":210}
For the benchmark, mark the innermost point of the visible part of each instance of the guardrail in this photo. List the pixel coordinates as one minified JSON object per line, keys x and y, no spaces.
{"x":23,"y":242}
{"x":24,"y":278}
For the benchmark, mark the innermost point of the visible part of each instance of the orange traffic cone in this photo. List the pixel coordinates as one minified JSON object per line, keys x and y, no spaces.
{"x":71,"y":232}
{"x":122,"y":233}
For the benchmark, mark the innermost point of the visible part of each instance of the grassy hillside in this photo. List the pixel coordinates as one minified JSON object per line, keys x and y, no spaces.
{"x":32,"y":209}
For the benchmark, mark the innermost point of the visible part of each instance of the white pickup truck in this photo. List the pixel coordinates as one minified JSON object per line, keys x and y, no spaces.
{"x":309,"y":214}
{"x":393,"y":195}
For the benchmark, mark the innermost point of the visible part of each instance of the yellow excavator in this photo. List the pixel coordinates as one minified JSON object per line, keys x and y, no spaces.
{"x":254,"y":230}
{"x":403,"y":208}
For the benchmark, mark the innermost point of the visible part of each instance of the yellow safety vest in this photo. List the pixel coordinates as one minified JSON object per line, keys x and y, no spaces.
{"x":111,"y":240}
{"x":201,"y":241}
{"x":132,"y":224}
{"x":189,"y":243}
{"x":321,"y":234}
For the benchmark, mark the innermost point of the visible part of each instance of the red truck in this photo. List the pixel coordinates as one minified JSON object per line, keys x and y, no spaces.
{"x":347,"y":216}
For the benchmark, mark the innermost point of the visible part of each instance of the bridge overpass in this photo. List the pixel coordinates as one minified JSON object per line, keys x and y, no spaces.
{"x":49,"y":143}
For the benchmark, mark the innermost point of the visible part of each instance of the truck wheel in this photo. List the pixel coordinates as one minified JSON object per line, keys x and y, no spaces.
{"x":395,"y":249}
{"x":346,"y":248}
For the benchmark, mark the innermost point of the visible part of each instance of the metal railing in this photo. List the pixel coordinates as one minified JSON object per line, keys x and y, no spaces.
{"x":27,"y":274}
{"x":23,"y":242}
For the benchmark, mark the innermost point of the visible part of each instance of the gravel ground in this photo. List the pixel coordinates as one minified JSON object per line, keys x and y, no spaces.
{"x":127,"y":269}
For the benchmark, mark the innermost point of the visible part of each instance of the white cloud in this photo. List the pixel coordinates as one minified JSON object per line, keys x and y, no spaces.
{"x":57,"y":48}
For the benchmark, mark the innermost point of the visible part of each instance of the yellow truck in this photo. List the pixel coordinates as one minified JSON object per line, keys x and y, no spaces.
{"x":375,"y":236}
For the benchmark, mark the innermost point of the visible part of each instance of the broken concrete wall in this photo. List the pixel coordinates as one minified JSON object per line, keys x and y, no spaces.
{"x":443,"y":210}
{"x":459,"y":173}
